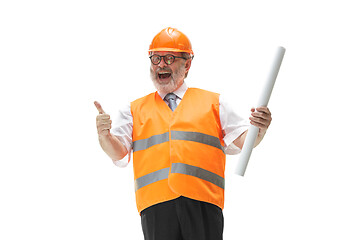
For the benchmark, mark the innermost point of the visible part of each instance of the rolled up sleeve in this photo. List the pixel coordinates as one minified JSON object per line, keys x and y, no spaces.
{"x":122,"y":128}
{"x":232,"y":125}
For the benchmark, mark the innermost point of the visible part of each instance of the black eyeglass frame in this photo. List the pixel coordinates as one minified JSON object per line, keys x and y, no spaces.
{"x":151,"y":58}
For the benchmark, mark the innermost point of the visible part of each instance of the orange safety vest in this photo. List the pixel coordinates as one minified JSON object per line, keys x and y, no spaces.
{"x":178,"y":153}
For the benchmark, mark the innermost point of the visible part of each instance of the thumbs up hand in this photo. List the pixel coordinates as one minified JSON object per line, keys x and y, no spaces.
{"x":103,"y":121}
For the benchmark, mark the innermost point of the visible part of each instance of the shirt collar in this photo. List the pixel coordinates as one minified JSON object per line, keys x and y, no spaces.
{"x":180,"y":92}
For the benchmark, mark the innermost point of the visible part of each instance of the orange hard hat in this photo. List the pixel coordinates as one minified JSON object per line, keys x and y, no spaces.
{"x":171,"y":40}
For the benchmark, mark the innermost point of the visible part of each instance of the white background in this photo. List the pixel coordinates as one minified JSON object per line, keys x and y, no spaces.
{"x":57,"y":57}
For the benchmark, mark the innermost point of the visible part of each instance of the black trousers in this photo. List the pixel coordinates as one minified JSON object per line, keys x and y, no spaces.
{"x":182,"y":219}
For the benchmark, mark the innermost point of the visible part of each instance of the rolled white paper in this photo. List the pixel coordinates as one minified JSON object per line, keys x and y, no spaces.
{"x":263,"y":102}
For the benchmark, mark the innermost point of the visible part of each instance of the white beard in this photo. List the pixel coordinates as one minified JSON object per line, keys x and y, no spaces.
{"x":177,"y":79}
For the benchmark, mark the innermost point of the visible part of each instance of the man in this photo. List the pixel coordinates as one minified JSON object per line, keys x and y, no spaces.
{"x":179,"y":137}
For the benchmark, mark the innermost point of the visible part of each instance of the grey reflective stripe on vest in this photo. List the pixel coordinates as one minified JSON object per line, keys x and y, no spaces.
{"x":149,"y":142}
{"x":197,"y":137}
{"x":151,"y":178}
{"x":199,"y":173}
{"x":177,"y":135}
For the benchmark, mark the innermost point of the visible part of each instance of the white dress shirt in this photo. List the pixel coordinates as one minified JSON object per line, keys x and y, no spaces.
{"x":232,"y":125}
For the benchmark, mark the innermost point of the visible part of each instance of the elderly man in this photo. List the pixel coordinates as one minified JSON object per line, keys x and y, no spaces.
{"x":179,"y":137}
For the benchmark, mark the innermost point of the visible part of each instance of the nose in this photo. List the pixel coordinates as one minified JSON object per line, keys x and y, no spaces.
{"x":162,"y":63}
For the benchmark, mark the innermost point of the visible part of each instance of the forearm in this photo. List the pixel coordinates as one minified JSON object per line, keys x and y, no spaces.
{"x":112,"y":147}
{"x":259,"y":138}
{"x":260,"y":119}
{"x":239,"y":142}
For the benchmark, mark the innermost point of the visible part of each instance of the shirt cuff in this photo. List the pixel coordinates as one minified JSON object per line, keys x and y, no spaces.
{"x":123,"y":162}
{"x":230,"y":147}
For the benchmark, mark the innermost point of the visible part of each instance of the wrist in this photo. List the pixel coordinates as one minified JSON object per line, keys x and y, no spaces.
{"x":105,"y":137}
{"x":262,"y":132}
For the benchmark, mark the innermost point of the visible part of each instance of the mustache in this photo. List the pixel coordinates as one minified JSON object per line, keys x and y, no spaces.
{"x":164,"y":69}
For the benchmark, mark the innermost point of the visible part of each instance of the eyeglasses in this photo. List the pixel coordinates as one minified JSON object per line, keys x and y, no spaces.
{"x":168,"y":59}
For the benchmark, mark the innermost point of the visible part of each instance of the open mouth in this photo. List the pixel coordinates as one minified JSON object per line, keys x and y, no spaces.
{"x":164,"y":75}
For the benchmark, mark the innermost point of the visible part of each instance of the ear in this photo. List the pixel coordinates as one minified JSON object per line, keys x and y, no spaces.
{"x":188,"y":64}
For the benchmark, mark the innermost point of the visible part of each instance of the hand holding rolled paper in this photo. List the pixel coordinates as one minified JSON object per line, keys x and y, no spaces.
{"x":261,"y":118}
{"x":253,"y":130}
